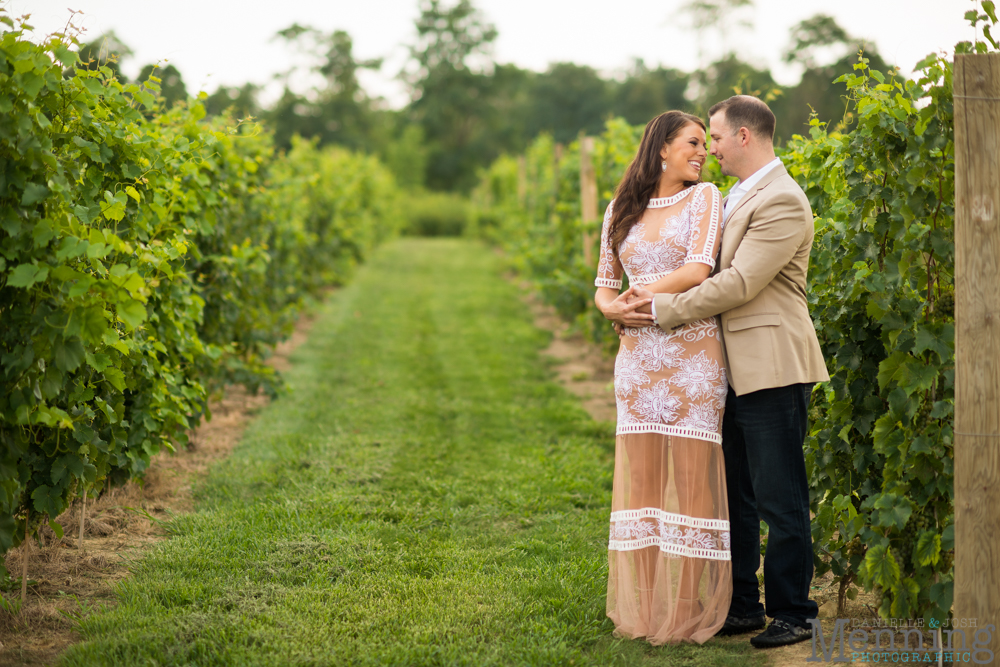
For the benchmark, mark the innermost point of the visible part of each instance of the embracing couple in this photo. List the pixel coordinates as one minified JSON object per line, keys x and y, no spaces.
{"x":717,"y":361}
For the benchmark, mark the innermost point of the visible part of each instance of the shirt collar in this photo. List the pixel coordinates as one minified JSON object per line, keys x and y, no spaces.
{"x":744,"y":186}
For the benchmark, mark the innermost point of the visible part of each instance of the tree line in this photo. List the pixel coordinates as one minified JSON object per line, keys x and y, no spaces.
{"x":466,"y":108}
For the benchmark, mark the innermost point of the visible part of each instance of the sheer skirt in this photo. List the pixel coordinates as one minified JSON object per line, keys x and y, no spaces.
{"x":670,"y":577}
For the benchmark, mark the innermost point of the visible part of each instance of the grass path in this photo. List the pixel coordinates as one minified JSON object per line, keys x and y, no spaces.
{"x":425,"y":495}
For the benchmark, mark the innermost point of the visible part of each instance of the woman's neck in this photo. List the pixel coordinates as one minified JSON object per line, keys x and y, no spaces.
{"x":668,"y":188}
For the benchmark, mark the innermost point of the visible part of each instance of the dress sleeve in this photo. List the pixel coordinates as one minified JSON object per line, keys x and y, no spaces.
{"x":706,"y":225}
{"x":609,"y":269}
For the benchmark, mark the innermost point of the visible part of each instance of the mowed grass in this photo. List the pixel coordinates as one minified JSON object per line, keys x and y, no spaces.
{"x":425,"y":495}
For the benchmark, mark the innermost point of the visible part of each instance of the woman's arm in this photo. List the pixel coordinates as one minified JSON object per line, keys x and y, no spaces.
{"x":681,"y":280}
{"x":614,"y":306}
{"x":703,"y":245}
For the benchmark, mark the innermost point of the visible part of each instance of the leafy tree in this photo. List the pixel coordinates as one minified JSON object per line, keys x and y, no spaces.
{"x":337,"y":111}
{"x":334,"y":56}
{"x":452,"y":89}
{"x":107,"y":50}
{"x":815,"y":93}
{"x":241,"y":101}
{"x":718,"y":16}
{"x":811,"y":38}
{"x":730,"y":76}
{"x":172,"y":87}
{"x":447,"y":39}
{"x":706,"y":14}
{"x":814,"y":33}
{"x":568,"y":98}
{"x":406,"y":156}
{"x":645,"y":92}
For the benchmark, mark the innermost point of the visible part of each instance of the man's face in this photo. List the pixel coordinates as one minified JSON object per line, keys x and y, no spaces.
{"x":725,"y":146}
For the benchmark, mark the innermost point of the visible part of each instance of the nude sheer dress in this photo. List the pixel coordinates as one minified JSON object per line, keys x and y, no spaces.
{"x":669,"y":571}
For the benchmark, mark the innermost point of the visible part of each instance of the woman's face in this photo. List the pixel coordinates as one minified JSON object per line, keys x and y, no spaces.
{"x":686,"y":154}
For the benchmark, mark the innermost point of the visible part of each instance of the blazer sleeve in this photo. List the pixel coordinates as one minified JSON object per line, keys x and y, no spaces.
{"x":772,"y":238}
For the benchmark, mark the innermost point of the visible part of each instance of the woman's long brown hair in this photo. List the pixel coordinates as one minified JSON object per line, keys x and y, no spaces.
{"x":638,"y":185}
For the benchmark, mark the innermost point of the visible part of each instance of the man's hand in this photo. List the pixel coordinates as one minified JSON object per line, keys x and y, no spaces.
{"x":624,"y":311}
{"x":640,"y":293}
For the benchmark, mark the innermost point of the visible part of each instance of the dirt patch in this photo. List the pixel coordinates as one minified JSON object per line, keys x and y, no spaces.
{"x":69,"y":580}
{"x":580,"y":366}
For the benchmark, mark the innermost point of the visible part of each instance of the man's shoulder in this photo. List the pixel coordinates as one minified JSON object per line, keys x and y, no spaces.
{"x":783,"y":188}
{"x":781,"y":182}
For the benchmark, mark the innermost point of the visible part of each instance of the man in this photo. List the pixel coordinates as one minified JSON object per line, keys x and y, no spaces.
{"x":773,"y":359}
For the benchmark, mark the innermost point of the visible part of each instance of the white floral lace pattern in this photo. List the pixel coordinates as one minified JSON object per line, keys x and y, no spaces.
{"x":674,"y":534}
{"x":655,"y":351}
{"x":699,"y":377}
{"x":657,"y":404}
{"x":629,"y":375}
{"x":649,"y":260}
{"x":668,"y":382}
{"x":609,"y":273}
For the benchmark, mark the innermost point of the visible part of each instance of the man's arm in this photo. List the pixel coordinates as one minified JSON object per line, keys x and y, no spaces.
{"x":770,"y":242}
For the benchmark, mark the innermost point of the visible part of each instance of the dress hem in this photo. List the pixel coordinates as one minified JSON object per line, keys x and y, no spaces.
{"x":666,"y":429}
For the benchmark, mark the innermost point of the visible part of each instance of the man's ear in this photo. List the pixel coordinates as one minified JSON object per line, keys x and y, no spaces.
{"x":744,"y":137}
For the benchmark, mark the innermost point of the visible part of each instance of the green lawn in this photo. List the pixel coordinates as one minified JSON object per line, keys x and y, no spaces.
{"x":425,"y":495}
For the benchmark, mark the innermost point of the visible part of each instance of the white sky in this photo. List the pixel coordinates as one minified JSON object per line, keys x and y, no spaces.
{"x":215,"y":42}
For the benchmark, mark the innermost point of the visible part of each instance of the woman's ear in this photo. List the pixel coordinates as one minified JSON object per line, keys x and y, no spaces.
{"x":665,"y":151}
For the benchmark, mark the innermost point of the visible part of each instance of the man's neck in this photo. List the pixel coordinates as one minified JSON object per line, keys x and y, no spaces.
{"x":756,"y":165}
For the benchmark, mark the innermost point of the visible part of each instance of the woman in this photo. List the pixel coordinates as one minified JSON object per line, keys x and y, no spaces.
{"x":669,"y":576}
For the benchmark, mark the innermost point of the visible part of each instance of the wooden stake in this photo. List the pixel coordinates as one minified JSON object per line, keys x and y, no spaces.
{"x":83,"y":513}
{"x":522,"y":180}
{"x":588,"y":197}
{"x":25,"y":551}
{"x":977,"y":342}
{"x":556,"y":159}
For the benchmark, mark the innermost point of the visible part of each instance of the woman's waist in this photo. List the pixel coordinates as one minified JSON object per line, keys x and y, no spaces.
{"x":706,"y":325}
{"x":649,"y":278}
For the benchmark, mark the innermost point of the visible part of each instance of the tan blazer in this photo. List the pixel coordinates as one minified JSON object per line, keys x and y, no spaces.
{"x":759,"y":288}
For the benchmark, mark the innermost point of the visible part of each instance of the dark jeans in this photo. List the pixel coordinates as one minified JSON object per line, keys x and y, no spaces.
{"x":762,"y":437}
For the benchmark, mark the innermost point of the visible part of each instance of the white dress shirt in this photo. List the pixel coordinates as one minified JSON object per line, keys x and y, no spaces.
{"x":737,"y":192}
{"x":742,"y":187}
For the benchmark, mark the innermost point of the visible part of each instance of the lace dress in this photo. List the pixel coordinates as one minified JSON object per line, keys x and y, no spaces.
{"x":669,"y":576}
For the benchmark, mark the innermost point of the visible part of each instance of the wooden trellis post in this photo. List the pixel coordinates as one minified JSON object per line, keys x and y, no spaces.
{"x":557,"y":155}
{"x":977,"y":342}
{"x":25,"y":555}
{"x":588,"y":197}
{"x":522,"y":180}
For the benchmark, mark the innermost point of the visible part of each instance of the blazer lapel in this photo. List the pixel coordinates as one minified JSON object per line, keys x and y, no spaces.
{"x":734,"y":232}
{"x":763,"y":183}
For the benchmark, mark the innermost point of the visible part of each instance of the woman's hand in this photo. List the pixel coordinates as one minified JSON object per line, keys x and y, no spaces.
{"x":623,"y":311}
{"x":642,"y":292}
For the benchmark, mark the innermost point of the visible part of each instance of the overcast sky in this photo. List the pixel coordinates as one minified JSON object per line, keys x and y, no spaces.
{"x":229,"y":42}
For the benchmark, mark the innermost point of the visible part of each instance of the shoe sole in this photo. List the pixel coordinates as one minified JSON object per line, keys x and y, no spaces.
{"x":740,"y":631}
{"x":803,"y":638}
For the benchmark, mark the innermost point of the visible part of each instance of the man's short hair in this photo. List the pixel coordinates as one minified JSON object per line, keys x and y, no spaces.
{"x":749,"y":112}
